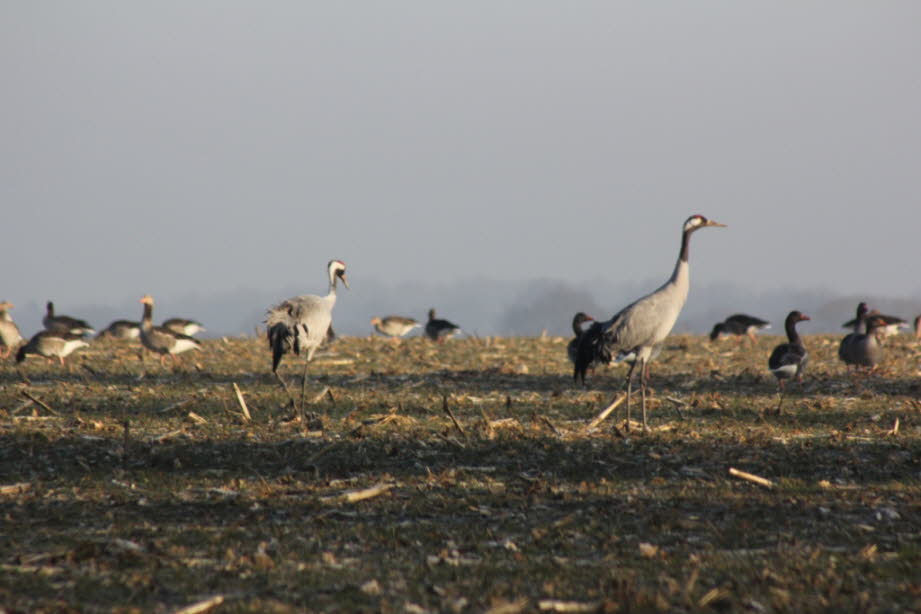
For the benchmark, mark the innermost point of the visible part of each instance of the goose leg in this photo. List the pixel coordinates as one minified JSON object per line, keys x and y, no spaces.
{"x":780,"y":402}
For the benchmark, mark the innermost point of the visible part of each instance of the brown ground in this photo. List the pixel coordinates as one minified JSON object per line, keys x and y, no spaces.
{"x":145,"y":488}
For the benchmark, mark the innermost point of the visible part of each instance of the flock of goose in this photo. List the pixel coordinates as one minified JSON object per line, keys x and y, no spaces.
{"x":634,"y":334}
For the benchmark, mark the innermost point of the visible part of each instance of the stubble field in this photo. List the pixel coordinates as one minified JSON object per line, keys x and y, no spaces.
{"x":458,"y":478}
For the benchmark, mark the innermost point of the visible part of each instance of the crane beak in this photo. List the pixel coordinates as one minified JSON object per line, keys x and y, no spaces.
{"x":717,"y":224}
{"x":345,"y":282}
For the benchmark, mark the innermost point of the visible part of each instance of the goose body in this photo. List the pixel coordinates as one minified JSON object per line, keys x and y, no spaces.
{"x":788,"y":360}
{"x":51,"y":344}
{"x":439,"y":330}
{"x":740,"y":325}
{"x":642,"y":325}
{"x":65,"y":323}
{"x":394,"y":326}
{"x":122,"y":329}
{"x":161,"y":340}
{"x":846,"y":347}
{"x":302,"y":324}
{"x":10,"y":337}
{"x":864,"y":349}
{"x":888,"y":325}
{"x":183,"y":326}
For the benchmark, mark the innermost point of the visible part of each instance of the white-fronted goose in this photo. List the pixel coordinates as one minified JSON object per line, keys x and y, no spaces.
{"x":439,"y":330}
{"x":51,"y":344}
{"x":845,"y":348}
{"x":739,"y":325}
{"x":183,"y":326}
{"x":65,"y":323}
{"x":888,"y":325}
{"x":162,"y":340}
{"x":302,"y":324}
{"x":864,"y":349}
{"x":788,"y":360}
{"x":394,"y":326}
{"x":646,"y":322}
{"x":10,"y":337}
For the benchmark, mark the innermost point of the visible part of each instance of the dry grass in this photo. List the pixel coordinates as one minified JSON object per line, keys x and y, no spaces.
{"x":140,"y":488}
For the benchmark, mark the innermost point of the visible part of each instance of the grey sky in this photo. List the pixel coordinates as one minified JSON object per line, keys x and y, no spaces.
{"x":189,"y":149}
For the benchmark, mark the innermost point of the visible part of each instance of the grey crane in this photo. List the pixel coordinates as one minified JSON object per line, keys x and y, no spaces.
{"x":302,"y":323}
{"x":643,"y":324}
{"x":65,"y":323}
{"x":10,"y":337}
{"x":161,"y":340}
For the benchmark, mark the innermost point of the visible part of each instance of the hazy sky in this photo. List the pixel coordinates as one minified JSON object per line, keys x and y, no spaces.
{"x":199,"y":147}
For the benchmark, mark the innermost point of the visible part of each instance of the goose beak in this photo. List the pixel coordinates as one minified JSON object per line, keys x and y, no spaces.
{"x":804,"y":317}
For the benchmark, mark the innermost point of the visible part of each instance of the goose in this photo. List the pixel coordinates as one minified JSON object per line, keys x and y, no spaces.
{"x":440,"y":330}
{"x":888,"y":325}
{"x":183,"y":326}
{"x":302,"y":323}
{"x":10,"y":337}
{"x":740,"y":325}
{"x":65,"y":323}
{"x":572,"y":348}
{"x":51,"y":344}
{"x":645,"y":323}
{"x":788,"y":360}
{"x":845,"y":348}
{"x":162,"y":340}
{"x":864,"y":349}
{"x":394,"y":326}
{"x":121,"y":329}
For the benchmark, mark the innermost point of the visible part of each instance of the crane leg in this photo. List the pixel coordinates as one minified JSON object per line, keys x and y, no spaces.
{"x":629,"y":390}
{"x":304,"y":390}
{"x":284,"y":385}
{"x":643,"y":394}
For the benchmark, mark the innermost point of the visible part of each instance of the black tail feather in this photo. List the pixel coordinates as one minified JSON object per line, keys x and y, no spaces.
{"x":279,"y":336}
{"x":21,"y":354}
{"x":592,"y":349}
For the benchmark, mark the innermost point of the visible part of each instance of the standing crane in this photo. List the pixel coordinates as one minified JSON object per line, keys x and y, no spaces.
{"x":642,"y":325}
{"x":301,"y":324}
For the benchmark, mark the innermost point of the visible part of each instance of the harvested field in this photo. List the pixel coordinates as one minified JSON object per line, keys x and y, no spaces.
{"x":458,"y":478}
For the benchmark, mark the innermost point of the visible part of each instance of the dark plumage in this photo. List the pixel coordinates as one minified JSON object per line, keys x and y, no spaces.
{"x":572,"y":348}
{"x":740,"y":325}
{"x":65,"y":323}
{"x":864,"y":349}
{"x":184,"y":326}
{"x":122,"y":329}
{"x":845,"y":348}
{"x":438,"y":330}
{"x":788,"y":360}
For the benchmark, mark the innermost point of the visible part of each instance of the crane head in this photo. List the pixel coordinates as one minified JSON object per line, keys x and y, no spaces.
{"x":337,"y":269}
{"x":696,"y":222}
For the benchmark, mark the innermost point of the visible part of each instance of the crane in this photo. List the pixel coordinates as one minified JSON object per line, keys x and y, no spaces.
{"x":643,"y":324}
{"x":301,"y":323}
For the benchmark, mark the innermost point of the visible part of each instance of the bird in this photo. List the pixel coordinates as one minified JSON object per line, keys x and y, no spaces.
{"x":572,"y":348}
{"x":888,"y":325}
{"x":10,"y":337}
{"x":917,"y":327}
{"x":162,"y":340}
{"x":845,"y":348}
{"x":740,"y":325}
{"x":302,"y":323}
{"x":51,"y":344}
{"x":864,"y":349}
{"x":65,"y":323}
{"x":439,"y":330}
{"x":121,"y":329}
{"x":788,"y":360}
{"x":394,"y":326}
{"x":183,"y":326}
{"x":645,"y":323}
